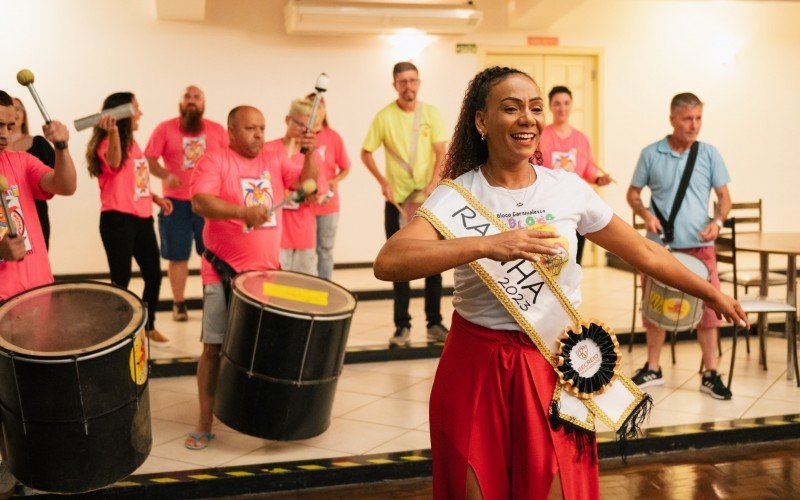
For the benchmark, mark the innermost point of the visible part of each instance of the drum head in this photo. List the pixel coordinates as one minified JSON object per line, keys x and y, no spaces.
{"x":66,"y":319}
{"x":694,"y":264}
{"x":294,"y":292}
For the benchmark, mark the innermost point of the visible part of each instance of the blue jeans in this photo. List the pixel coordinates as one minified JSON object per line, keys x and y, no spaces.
{"x":326,"y":234}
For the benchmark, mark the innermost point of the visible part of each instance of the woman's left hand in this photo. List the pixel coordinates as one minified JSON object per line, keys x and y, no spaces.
{"x":730,"y":309}
{"x":604,"y":180}
{"x":165,"y":204}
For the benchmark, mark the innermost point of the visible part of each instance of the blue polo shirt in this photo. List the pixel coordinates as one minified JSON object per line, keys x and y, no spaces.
{"x":660,"y":168}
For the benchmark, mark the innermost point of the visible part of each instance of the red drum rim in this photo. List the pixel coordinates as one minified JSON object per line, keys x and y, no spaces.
{"x":134,"y":325}
{"x":295,"y":294}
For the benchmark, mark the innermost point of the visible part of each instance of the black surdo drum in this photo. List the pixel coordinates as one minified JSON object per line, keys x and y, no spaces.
{"x":73,"y":386}
{"x":283,"y":353}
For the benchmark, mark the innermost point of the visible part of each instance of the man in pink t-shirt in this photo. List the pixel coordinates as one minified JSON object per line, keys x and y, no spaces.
{"x":23,"y":258}
{"x":181,"y":142}
{"x":24,"y":263}
{"x":234,"y":189}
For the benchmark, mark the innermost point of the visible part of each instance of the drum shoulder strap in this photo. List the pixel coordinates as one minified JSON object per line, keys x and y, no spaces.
{"x":668,"y":225}
{"x":225,"y":271}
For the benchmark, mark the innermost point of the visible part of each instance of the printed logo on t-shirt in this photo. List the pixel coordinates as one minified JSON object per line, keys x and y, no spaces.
{"x":141,"y":178}
{"x":541,"y":221}
{"x":258,"y":192}
{"x":289,"y":201}
{"x":565,"y":159}
{"x":193,"y":149}
{"x":15,"y":212}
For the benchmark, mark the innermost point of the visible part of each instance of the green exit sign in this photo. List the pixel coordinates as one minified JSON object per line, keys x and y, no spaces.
{"x":466,"y":48}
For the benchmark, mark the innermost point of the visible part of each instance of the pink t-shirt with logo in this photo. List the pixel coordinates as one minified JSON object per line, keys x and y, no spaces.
{"x":24,"y":172}
{"x":334,"y":159}
{"x":572,"y":153}
{"x":125,"y":189}
{"x":243,"y":181}
{"x":182,"y":150}
{"x":299,"y":220}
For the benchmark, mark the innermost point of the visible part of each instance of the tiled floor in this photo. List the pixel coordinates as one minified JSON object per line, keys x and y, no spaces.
{"x":382,"y":407}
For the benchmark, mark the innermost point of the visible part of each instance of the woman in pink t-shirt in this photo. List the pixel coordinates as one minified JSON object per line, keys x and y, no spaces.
{"x":562,"y":146}
{"x":126,"y":213}
{"x":335,"y":167}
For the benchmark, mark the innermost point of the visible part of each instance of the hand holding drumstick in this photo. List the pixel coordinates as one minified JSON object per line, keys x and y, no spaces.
{"x":12,"y":248}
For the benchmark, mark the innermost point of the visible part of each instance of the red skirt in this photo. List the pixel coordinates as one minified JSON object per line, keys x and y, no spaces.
{"x":489,"y":411}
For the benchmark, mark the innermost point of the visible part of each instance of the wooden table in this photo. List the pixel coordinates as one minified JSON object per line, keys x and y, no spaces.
{"x":764,"y":244}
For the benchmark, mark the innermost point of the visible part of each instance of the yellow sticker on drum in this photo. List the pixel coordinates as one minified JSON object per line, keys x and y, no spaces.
{"x":673,"y":309}
{"x":138,"y":362}
{"x":676,"y":309}
{"x":295,"y":293}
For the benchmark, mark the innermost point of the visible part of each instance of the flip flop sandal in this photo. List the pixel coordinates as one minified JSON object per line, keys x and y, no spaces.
{"x":202,"y":440}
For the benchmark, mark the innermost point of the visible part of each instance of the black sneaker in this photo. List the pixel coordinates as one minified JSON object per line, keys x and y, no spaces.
{"x":645,"y":377}
{"x":179,"y":311}
{"x":713,"y":386}
{"x":401,"y":337}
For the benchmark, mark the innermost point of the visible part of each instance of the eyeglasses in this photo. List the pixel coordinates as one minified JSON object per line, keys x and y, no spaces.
{"x":298,"y":122}
{"x":405,"y":83}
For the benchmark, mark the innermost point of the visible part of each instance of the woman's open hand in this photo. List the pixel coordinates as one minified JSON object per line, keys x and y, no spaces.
{"x":730,"y":309}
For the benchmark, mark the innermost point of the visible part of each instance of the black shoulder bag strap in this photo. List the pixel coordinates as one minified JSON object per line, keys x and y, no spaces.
{"x":668,"y":225}
{"x":224,"y":270}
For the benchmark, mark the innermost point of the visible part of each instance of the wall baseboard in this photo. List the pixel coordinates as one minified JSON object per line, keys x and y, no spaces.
{"x":192,"y":272}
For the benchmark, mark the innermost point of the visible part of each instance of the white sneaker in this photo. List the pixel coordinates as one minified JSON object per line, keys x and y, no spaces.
{"x":401,"y":337}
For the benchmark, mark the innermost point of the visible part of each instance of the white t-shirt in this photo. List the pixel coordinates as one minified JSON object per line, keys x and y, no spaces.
{"x":557,"y":200}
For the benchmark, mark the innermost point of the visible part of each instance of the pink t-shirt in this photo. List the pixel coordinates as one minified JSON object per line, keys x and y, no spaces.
{"x":125,"y":189}
{"x":182,"y":150}
{"x":243,"y":181}
{"x":24,"y":172}
{"x":299,"y":221}
{"x":334,"y":159}
{"x":572,"y":153}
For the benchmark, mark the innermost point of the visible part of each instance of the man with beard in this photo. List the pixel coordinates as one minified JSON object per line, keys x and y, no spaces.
{"x":413,"y":137}
{"x":181,"y":142}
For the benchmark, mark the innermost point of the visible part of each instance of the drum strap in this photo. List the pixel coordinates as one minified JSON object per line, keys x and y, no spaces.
{"x":668,"y":225}
{"x":520,"y":288}
{"x":224,"y":270}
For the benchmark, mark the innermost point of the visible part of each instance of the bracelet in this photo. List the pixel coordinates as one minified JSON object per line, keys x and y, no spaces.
{"x":719,"y":223}
{"x":61,"y":145}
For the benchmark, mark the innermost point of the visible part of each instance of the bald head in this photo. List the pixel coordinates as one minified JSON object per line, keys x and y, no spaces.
{"x":246,"y":127}
{"x":193,"y":98}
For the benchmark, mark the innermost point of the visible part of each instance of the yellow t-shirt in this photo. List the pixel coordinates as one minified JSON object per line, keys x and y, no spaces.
{"x":392,"y":128}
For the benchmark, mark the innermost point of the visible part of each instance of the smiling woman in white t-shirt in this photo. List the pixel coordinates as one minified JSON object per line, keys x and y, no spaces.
{"x":490,"y":434}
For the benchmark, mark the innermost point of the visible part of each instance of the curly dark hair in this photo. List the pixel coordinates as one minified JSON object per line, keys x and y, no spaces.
{"x":467,"y":151}
{"x":125,"y":128}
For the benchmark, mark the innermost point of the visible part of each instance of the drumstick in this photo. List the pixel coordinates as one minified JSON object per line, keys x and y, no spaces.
{"x":308,"y":187}
{"x":321,"y":86}
{"x":605,"y":173}
{"x":12,"y":228}
{"x":25,"y":78}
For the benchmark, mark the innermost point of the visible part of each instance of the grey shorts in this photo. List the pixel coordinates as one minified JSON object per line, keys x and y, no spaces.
{"x":215,"y":314}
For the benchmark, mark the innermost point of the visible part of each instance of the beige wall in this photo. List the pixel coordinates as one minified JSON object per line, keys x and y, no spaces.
{"x":739,"y":57}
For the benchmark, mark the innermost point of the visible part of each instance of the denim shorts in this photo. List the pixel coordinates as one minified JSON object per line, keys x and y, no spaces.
{"x":179,"y":229}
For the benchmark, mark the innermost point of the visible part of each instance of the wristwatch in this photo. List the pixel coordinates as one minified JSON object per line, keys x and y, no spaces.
{"x":718,"y":223}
